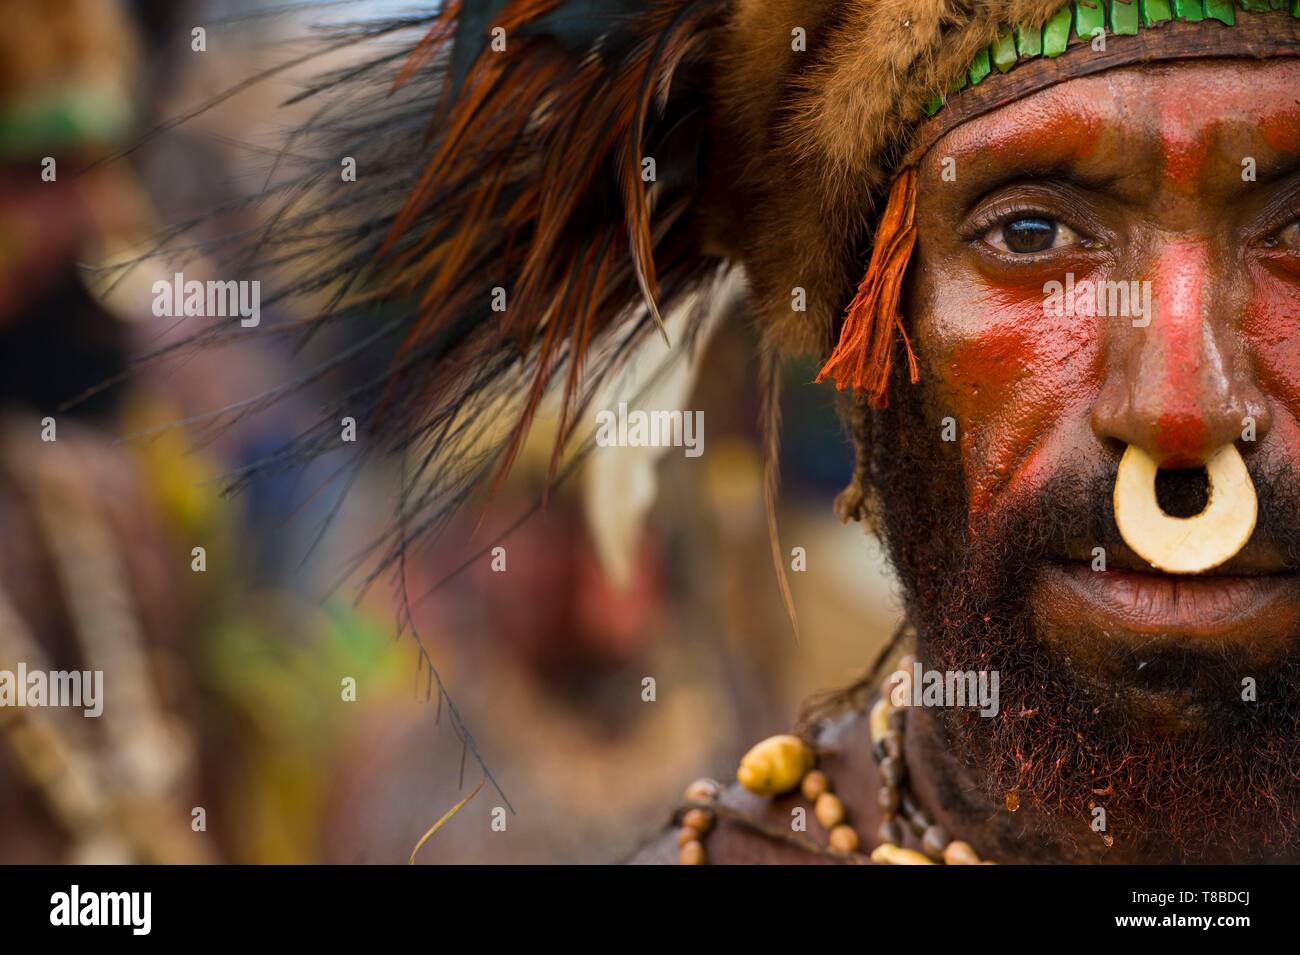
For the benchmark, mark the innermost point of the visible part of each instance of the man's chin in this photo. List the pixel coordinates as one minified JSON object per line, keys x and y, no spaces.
{"x":1170,"y":704}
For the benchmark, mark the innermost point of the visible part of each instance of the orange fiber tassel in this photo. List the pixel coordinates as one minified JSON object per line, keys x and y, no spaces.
{"x":864,"y":355}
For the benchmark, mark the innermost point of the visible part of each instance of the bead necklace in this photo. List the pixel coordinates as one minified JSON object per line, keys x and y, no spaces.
{"x":780,"y":764}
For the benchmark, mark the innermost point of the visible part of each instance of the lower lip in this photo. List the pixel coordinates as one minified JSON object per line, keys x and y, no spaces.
{"x":1227,"y":609}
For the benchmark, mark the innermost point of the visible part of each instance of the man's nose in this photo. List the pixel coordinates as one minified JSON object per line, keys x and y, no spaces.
{"x":1177,"y":386}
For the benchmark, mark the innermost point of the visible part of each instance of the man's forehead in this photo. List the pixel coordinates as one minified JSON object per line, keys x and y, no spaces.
{"x":1190,"y":115}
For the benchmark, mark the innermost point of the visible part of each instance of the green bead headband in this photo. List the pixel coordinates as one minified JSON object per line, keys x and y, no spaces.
{"x":1085,"y":19}
{"x":72,"y":117}
{"x":864,"y":355}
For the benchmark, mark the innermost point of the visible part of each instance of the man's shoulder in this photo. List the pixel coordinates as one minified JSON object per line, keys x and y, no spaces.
{"x":747,"y":829}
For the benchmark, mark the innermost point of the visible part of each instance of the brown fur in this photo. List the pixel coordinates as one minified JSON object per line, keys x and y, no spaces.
{"x":818,"y":134}
{"x":528,"y":178}
{"x":800,"y":148}
{"x":54,"y":43}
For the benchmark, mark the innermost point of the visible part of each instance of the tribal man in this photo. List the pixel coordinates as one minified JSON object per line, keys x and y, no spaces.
{"x":1167,"y":156}
{"x":1050,"y":255}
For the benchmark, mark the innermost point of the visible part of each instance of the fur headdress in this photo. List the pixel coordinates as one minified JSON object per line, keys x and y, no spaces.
{"x":541,"y":182}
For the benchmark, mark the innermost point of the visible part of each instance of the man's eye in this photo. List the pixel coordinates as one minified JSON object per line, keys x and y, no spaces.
{"x":1030,"y":234}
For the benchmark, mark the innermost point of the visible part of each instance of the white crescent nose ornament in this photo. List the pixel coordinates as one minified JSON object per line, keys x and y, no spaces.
{"x":1185,"y":545}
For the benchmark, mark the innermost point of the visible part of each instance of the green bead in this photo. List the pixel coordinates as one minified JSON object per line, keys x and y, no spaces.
{"x":1295,"y":8}
{"x":1277,"y":4}
{"x":1256,"y":4}
{"x":1221,"y":10}
{"x":1089,"y":17}
{"x":1029,"y":42}
{"x":980,"y":68}
{"x":1189,"y":10}
{"x":1056,"y":32}
{"x":958,"y":84}
{"x":1156,"y":11}
{"x":933,"y":105}
{"x":1124,"y":17}
{"x":1003,"y":53}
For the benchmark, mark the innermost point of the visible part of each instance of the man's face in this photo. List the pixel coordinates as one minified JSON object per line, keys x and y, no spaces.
{"x":1183,"y":179}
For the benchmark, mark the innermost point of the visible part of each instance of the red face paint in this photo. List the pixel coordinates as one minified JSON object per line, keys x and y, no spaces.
{"x":1186,"y":138}
{"x":1194,"y":138}
{"x":1016,"y":376}
{"x":1165,"y":150}
{"x":1281,"y":130}
{"x":1270,"y":326}
{"x":1175,"y":351}
{"x":1066,"y":138}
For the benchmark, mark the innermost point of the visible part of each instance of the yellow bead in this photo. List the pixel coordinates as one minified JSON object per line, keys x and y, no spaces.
{"x":699,"y":820}
{"x":693,"y":854}
{"x":889,"y":854}
{"x":879,"y":719}
{"x":829,"y":810}
{"x":814,"y":784}
{"x":960,"y":853}
{"x":775,"y":766}
{"x":844,"y":839}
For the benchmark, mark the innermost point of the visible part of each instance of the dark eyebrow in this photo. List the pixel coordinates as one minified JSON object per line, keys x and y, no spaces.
{"x":1051,"y":145}
{"x":1286,"y":167}
{"x":1050,"y":175}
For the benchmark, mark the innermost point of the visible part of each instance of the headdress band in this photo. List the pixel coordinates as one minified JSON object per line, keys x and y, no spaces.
{"x":1140,"y":31}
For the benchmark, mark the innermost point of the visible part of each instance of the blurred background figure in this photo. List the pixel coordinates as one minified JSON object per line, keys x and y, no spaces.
{"x":98,"y":567}
{"x":260,"y":706}
{"x":85,"y":579}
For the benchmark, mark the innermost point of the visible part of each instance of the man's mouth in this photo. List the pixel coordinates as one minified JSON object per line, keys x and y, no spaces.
{"x":1252,"y":599}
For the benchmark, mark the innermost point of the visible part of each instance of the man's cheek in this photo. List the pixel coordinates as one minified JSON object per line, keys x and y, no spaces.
{"x":1271,"y":329}
{"x":1011,"y":376}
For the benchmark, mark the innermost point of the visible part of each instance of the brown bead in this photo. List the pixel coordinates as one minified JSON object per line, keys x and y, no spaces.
{"x":890,"y":831}
{"x":700,"y":820}
{"x":686,"y":834}
{"x":844,"y":839}
{"x":887,"y":800}
{"x":893,"y":744}
{"x":916,"y":819}
{"x":891,"y":771}
{"x":934,"y":841}
{"x":814,"y":784}
{"x":960,"y":853}
{"x":693,"y":854}
{"x":703,"y":790}
{"x":829,"y":810}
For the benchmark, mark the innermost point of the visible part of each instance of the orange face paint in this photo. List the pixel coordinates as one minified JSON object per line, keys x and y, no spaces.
{"x":1175,"y":351}
{"x":1160,"y":177}
{"x":1035,"y":141}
